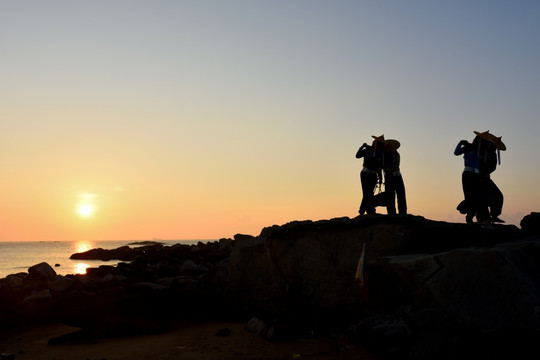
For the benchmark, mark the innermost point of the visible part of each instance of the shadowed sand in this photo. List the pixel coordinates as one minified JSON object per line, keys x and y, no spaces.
{"x":187,"y":341}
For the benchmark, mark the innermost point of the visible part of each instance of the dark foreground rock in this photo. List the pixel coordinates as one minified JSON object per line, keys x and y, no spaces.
{"x":144,"y":295}
{"x":430,"y":286}
{"x":531,"y":223}
{"x":432,"y":290}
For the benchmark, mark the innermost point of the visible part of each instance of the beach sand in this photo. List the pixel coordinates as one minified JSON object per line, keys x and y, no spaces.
{"x":187,"y":341}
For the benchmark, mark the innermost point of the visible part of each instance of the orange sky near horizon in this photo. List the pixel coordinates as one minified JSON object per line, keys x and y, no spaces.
{"x":188,"y":120}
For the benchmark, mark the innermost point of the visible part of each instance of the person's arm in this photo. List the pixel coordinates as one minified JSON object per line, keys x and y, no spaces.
{"x":362,"y":151}
{"x":461,"y":147}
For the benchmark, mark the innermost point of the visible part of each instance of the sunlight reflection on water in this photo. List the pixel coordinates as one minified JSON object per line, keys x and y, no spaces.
{"x":80,"y":268}
{"x":19,"y":256}
{"x":83,"y":246}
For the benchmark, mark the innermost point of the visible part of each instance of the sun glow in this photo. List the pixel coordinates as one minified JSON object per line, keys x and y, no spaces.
{"x":85,"y":210}
{"x":86,"y":207}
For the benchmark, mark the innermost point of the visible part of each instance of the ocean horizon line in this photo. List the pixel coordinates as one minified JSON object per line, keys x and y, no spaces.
{"x":111,"y":240}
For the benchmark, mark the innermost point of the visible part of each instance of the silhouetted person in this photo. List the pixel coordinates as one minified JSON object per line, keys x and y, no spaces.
{"x":393,"y":181}
{"x":371,"y":173}
{"x":490,"y":157}
{"x":474,"y":203}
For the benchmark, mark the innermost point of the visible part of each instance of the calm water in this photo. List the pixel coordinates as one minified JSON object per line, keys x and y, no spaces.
{"x":17,"y":257}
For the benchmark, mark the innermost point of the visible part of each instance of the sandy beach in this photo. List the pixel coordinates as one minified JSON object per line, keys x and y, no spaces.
{"x":186,"y":341}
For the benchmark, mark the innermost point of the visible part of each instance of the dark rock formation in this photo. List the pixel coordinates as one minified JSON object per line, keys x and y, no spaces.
{"x":531,"y":223}
{"x":42,"y":272}
{"x":144,"y":295}
{"x":432,"y":289}
{"x":124,"y":253}
{"x":452,"y":278}
{"x":151,"y":242}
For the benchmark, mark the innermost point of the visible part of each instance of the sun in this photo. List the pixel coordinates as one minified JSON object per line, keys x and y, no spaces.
{"x":86,"y":210}
{"x":86,"y":205}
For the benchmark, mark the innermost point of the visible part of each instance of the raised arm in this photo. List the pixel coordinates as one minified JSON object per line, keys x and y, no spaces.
{"x":461,"y":147}
{"x":364,"y":149}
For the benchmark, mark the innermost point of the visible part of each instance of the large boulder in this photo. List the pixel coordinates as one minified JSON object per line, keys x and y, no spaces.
{"x":42,"y":272}
{"x":303,"y":272}
{"x":61,"y":284}
{"x":16,"y":280}
{"x":531,"y":223}
{"x":492,"y":289}
{"x":38,"y":297}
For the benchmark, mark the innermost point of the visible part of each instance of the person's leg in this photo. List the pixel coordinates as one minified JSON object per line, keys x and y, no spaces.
{"x":478,"y":202}
{"x":362,"y":209}
{"x":400,"y":192}
{"x":369,"y":181}
{"x":467,"y":181}
{"x":494,"y":199}
{"x":390,"y":191}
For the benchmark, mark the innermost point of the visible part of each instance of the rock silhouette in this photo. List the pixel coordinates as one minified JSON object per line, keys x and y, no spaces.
{"x":433,"y":289}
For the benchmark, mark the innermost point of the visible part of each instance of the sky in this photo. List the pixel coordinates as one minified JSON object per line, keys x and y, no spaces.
{"x":182,"y":119}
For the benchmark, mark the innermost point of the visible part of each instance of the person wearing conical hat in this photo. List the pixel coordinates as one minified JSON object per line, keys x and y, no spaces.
{"x":474,"y":204}
{"x":371,"y":173}
{"x":393,"y":180}
{"x":490,"y":156}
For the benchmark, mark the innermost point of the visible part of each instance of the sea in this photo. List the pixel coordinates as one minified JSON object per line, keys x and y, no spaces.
{"x":16,"y":257}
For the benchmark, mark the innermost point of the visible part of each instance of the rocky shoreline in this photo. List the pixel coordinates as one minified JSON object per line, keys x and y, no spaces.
{"x":433,"y":290}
